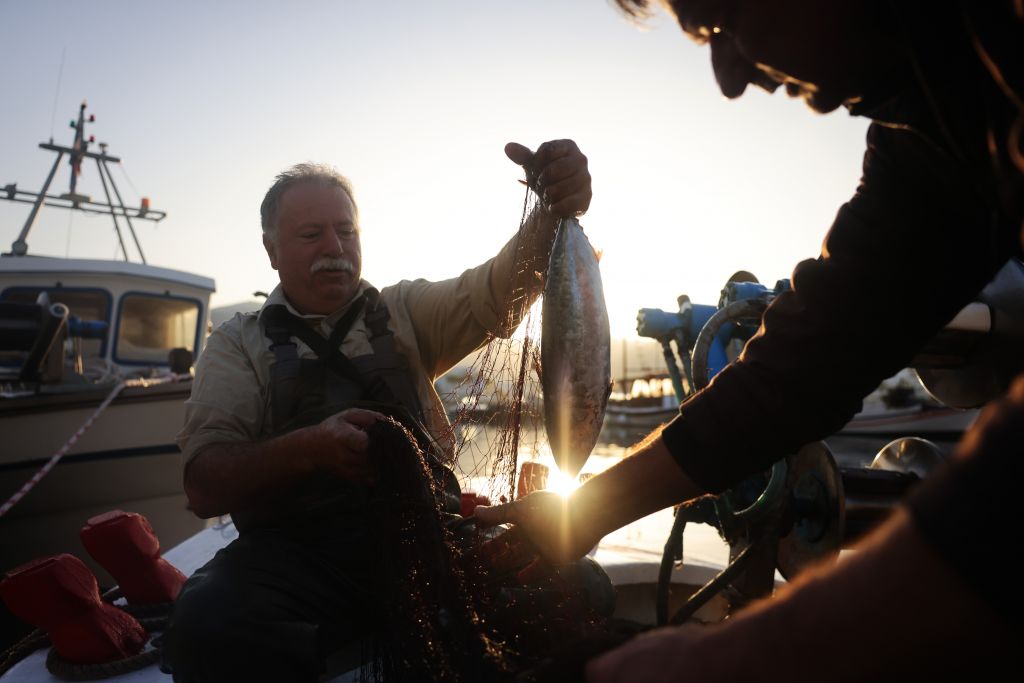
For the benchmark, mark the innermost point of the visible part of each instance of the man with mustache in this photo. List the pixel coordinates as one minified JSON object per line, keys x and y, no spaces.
{"x":274,"y":427}
{"x":938,"y":211}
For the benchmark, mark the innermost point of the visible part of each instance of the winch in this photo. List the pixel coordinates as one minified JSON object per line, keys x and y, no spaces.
{"x":807,"y":508}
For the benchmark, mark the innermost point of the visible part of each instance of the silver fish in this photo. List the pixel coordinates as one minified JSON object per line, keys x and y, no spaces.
{"x":575,"y":349}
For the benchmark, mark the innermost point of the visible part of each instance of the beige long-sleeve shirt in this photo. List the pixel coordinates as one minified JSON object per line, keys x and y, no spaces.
{"x":436,"y":325}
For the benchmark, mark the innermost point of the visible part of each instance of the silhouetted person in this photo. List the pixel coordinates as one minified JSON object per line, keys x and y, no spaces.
{"x":938,"y":211}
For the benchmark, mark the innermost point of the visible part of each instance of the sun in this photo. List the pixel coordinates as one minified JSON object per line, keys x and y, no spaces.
{"x":562,"y":484}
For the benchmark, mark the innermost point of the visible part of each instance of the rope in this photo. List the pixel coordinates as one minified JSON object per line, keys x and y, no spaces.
{"x":52,"y":462}
{"x":63,"y":669}
{"x":152,"y":618}
{"x":23,"y":648}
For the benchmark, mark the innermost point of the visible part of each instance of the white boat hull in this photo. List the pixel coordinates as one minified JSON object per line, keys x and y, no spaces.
{"x":128,"y":460}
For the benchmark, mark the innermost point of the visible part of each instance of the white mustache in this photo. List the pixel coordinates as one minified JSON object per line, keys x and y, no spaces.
{"x":335,"y":264}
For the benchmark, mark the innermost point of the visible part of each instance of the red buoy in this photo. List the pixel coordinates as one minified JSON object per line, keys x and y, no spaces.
{"x":533,"y":476}
{"x":60,"y":595}
{"x":125,"y":545}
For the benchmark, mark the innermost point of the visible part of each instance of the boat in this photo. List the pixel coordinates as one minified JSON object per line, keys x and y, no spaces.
{"x":95,"y":366}
{"x":733,"y":550}
{"x":641,"y":402}
{"x":739,"y":546}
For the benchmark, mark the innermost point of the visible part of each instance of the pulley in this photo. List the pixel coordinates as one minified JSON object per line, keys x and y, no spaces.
{"x":910,"y":455}
{"x":816,"y":512}
{"x":872,"y":492}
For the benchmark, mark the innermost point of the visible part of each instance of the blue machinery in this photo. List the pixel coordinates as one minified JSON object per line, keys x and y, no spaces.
{"x":806,"y":507}
{"x":712,"y":334}
{"x":697,"y":342}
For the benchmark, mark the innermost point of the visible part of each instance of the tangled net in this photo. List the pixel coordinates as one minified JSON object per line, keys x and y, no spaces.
{"x":495,"y":403}
{"x":449,"y":613}
{"x":446,"y":612}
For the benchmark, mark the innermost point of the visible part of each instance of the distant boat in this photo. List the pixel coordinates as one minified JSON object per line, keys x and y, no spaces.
{"x":641,"y":402}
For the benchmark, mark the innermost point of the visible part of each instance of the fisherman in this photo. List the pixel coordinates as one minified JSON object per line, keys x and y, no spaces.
{"x":939,"y":210}
{"x":273,"y":430}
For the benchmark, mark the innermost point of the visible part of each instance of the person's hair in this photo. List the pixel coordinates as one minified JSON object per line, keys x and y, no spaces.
{"x":640,"y":9}
{"x":300,"y":173}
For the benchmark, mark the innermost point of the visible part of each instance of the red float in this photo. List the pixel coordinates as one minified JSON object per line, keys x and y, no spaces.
{"x":60,"y":595}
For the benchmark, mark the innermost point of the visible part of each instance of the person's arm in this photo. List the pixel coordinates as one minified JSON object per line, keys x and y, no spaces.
{"x":223,"y":477}
{"x":563,"y":529}
{"x":892,"y":610}
{"x":929,"y":595}
{"x":452,"y":318}
{"x":913,"y":246}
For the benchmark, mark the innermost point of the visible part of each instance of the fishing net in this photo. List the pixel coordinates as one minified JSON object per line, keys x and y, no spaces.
{"x":494,"y":403}
{"x":453,"y":608}
{"x":457,"y":604}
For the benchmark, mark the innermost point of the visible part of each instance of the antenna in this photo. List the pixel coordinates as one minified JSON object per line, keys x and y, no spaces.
{"x":56,"y":94}
{"x":77,"y":153}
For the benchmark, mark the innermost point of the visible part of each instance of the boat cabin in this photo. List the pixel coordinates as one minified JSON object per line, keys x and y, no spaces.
{"x":81,"y":320}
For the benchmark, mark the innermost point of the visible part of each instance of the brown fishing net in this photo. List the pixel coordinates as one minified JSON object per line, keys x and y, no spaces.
{"x":447,"y":610}
{"x":494,"y":403}
{"x":452,"y":611}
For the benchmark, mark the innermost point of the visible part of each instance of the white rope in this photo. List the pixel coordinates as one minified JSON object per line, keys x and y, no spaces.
{"x":52,"y":462}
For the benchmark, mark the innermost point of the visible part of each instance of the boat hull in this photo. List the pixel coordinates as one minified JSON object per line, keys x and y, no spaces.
{"x":128,"y":460}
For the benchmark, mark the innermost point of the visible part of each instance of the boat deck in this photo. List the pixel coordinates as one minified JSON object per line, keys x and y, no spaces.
{"x":630,"y":556}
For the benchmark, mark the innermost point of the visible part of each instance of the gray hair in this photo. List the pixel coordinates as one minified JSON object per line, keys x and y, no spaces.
{"x":299,"y":173}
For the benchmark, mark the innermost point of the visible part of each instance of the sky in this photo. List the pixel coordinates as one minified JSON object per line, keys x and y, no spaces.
{"x":414,"y":101}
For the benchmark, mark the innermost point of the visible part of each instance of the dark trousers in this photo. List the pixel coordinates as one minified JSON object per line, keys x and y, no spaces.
{"x":272,"y":605}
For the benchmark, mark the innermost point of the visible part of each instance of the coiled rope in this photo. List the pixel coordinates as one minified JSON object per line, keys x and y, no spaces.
{"x":153,"y":618}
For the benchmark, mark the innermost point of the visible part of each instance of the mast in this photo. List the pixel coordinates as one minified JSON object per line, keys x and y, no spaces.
{"x":78,"y":151}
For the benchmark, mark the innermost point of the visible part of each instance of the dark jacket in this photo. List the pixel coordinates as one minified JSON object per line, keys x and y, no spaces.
{"x":938,"y":211}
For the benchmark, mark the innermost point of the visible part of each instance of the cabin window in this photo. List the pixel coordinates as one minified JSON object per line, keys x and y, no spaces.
{"x":88,"y":304}
{"x":150,"y":326}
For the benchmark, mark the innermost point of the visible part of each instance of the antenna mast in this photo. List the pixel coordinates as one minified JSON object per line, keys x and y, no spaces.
{"x":78,"y":151}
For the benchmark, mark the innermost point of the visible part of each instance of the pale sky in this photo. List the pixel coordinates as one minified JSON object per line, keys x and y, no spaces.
{"x":207,"y":101}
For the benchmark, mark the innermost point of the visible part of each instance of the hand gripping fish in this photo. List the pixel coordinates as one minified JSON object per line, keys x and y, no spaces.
{"x":575,"y":349}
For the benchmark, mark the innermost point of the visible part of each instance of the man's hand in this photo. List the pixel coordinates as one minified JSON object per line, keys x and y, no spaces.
{"x":558,"y":173}
{"x":344,"y":444}
{"x":563,"y":529}
{"x":548,"y":521}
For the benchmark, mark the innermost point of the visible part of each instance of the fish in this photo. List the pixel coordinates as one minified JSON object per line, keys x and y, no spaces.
{"x":575,"y":349}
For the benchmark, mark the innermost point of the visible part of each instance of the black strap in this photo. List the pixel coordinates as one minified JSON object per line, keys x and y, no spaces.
{"x":341,"y":330}
{"x":381,"y":338}
{"x":282,"y":325}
